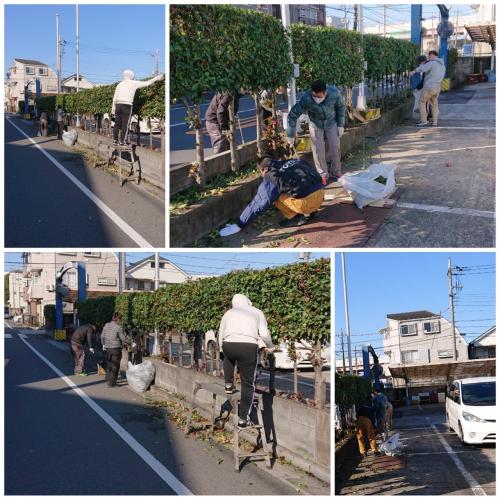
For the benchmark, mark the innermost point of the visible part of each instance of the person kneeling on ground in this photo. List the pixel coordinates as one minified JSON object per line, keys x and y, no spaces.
{"x":240,"y":330}
{"x":365,"y":429}
{"x":293,"y":186}
{"x":113,"y":340}
{"x":81,"y":335}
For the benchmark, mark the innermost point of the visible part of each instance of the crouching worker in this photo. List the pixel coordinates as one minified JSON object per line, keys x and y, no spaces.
{"x":81,"y":335}
{"x":364,"y":428}
{"x":240,"y":330}
{"x":293,"y":186}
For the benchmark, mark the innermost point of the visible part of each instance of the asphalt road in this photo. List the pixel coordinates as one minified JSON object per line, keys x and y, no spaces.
{"x":428,"y":467}
{"x":45,"y":208}
{"x":106,"y":443}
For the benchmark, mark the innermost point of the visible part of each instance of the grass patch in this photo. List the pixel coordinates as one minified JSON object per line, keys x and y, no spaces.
{"x":216,"y":186}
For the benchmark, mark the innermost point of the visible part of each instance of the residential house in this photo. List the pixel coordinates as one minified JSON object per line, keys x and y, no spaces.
{"x":40,"y":269}
{"x":68,"y":85}
{"x":17,"y":284}
{"x":22,"y":74}
{"x":140,"y":275}
{"x":313,"y":14}
{"x":484,"y":346}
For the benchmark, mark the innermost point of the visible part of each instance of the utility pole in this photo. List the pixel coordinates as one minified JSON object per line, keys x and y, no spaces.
{"x":156,"y":344}
{"x":355,"y":23}
{"x":157,"y":62}
{"x":361,"y":100}
{"x":346,"y":306}
{"x":58,"y":55}
{"x":452,"y":307}
{"x":291,"y":90}
{"x":343,"y":353}
{"x":385,"y":18}
{"x":121,"y":272}
{"x":77,"y":51}
{"x":305,"y":256}
{"x":356,"y":360}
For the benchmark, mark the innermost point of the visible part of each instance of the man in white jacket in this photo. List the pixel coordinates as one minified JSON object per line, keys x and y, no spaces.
{"x":123,"y":100}
{"x":240,"y":330}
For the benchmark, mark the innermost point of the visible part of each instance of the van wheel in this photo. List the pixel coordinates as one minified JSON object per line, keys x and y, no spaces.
{"x":134,"y":126}
{"x":212,"y":349}
{"x":263,"y":360}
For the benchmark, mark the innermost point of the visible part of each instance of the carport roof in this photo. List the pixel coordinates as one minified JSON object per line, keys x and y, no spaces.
{"x":439,"y":372}
{"x":485,"y":33}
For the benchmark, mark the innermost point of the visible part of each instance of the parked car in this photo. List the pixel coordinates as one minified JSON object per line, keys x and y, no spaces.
{"x":471,"y":411}
{"x":108,"y":122}
{"x":283,"y":361}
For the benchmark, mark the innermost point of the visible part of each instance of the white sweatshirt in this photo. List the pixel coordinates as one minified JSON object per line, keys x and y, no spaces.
{"x":244,"y":323}
{"x":125,"y":90}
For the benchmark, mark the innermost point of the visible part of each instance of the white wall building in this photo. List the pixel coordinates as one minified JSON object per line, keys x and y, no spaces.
{"x":17,"y":284}
{"x":68,"y":84}
{"x":23,"y":72}
{"x":40,"y":269}
{"x":485,"y":345}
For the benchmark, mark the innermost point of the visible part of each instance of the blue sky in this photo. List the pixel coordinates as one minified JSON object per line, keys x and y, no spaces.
{"x":112,"y":38}
{"x":204,"y":263}
{"x":396,"y":13}
{"x":383,"y":283}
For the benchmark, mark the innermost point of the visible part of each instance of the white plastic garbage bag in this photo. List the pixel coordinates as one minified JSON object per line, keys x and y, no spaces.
{"x":363,"y":187}
{"x":69,"y":138}
{"x":139,"y":377}
{"x":392,"y":446}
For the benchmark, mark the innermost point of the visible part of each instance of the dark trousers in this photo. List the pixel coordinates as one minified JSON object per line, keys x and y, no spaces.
{"x":245,"y":354}
{"x":113,"y":358}
{"x":78,"y":353}
{"x":123,"y":116}
{"x":60,"y":129}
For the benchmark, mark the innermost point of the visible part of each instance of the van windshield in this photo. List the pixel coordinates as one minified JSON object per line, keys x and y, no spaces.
{"x":479,"y":394}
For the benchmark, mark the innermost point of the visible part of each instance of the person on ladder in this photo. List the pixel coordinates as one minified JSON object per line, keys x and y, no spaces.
{"x":240,"y":330}
{"x":123,"y":100}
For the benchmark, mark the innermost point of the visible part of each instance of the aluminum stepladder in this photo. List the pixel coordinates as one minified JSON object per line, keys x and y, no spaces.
{"x":218,"y":390}
{"x":133,"y":175}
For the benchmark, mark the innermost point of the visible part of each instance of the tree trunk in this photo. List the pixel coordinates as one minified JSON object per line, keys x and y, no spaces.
{"x":274,"y":102}
{"x":259,"y":124}
{"x":150,"y":135}
{"x":195,"y":118}
{"x":162,"y":136}
{"x":318,"y":377}
{"x":295,"y":377}
{"x":138,"y":130}
{"x":170,"y":360}
{"x":232,"y":137}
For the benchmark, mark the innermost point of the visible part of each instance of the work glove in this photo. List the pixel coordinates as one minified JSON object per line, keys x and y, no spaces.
{"x":230,"y":229}
{"x":290,"y":140}
{"x":92,"y":350}
{"x":103,"y":347}
{"x":341,"y":131}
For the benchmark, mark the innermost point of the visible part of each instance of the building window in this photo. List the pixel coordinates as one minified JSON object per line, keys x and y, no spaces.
{"x":140,"y":285}
{"x":445,"y":354}
{"x":431,"y":327}
{"x":102,"y":281}
{"x":92,"y":254}
{"x":162,"y":264}
{"x":42,"y":71}
{"x":69,"y":279}
{"x":29,"y":70}
{"x":67,"y":253}
{"x":407,"y":330}
{"x":409,"y":356}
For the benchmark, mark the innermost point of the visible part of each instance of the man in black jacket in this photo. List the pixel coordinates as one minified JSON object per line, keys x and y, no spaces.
{"x":293,"y":186}
{"x":217,"y":120}
{"x":81,"y":335}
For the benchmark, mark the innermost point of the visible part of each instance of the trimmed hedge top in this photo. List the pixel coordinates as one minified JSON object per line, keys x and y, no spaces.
{"x":149,"y":102}
{"x":351,"y":389}
{"x":294,"y":298}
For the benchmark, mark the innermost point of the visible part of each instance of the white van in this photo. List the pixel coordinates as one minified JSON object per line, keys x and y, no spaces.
{"x":470,"y":409}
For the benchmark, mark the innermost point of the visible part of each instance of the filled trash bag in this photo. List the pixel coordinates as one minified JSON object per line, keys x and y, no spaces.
{"x":366,"y":186}
{"x":69,"y":138}
{"x":392,"y":446}
{"x":139,"y":377}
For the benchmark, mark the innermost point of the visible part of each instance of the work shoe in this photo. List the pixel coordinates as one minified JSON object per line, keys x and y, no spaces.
{"x":422,"y":124}
{"x":324,"y":179}
{"x":230,"y":389}
{"x":294,"y":221}
{"x":310,"y":217}
{"x":243,"y":424}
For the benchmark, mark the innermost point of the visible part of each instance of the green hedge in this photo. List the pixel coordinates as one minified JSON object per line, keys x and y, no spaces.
{"x":97,"y":311}
{"x":149,"y":102}
{"x":49,"y":313}
{"x":351,"y":389}
{"x":295,"y":299}
{"x":216,"y":48}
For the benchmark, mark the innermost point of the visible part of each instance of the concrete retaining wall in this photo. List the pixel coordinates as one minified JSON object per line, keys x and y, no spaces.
{"x":200,"y":219}
{"x":219,"y":164}
{"x":302,"y":433}
{"x":152,"y":162}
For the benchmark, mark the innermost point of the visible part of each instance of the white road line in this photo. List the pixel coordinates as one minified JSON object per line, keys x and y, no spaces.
{"x":474,"y":485}
{"x":128,"y":230}
{"x":164,"y":474}
{"x":7,"y":335}
{"x":447,"y":210}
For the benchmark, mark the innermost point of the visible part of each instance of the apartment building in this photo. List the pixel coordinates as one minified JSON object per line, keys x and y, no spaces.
{"x":17,"y":283}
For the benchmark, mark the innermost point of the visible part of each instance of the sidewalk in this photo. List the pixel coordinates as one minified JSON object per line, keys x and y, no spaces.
{"x":446,"y":177}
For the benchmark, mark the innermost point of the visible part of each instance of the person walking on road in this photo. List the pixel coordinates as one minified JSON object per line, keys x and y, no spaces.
{"x":113,"y":340}
{"x":60,"y":121}
{"x":326,"y":111}
{"x":435,"y":71}
{"x":417,"y":83}
{"x":380,"y":405}
{"x":123,"y":100}
{"x":217,"y":119}
{"x":364,"y":428}
{"x":241,"y":329}
{"x":83,"y":334}
{"x":293,"y":186}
